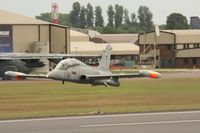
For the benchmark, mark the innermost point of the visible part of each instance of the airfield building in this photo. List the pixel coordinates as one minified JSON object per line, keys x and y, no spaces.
{"x":124,"y":49}
{"x":22,"y":34}
{"x":19,"y":33}
{"x":172,"y":49}
{"x":125,"y":44}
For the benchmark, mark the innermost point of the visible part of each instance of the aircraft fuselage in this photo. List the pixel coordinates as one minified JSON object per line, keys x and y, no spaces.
{"x":78,"y":74}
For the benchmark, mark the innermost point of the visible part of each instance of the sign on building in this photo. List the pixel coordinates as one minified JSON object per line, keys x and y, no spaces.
{"x":6,"y":38}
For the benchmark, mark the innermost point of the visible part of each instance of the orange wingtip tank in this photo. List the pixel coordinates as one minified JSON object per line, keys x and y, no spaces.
{"x":19,"y":77}
{"x":16,"y":75}
{"x":150,"y":74}
{"x":155,"y":75}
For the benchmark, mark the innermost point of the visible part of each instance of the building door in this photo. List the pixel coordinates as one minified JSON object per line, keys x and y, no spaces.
{"x":167,"y":63}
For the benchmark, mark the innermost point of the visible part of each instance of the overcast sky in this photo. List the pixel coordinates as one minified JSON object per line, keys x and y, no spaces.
{"x":160,"y":8}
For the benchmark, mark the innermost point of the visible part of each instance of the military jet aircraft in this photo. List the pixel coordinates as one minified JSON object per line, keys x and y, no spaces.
{"x":73,"y":70}
{"x":25,"y":62}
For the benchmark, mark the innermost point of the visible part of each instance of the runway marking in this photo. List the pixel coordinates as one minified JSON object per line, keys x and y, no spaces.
{"x":140,"y":123}
{"x":98,"y":116}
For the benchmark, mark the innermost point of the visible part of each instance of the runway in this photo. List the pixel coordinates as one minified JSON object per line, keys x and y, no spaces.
{"x":167,"y":122}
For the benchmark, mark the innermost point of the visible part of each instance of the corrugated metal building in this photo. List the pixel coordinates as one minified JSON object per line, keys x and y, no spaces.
{"x":18,"y":33}
{"x":81,"y":44}
{"x":173,"y":48}
{"x":116,"y":38}
{"x":96,"y":48}
{"x":124,"y":49}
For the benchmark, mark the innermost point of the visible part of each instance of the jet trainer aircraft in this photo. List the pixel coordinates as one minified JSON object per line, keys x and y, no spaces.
{"x":25,"y":62}
{"x":73,"y":70}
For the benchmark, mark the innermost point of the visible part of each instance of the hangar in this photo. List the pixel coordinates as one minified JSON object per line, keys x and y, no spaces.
{"x":172,"y":49}
{"x":19,"y":33}
{"x":124,"y":49}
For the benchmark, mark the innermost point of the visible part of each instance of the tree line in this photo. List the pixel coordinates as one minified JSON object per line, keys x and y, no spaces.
{"x":119,"y":20}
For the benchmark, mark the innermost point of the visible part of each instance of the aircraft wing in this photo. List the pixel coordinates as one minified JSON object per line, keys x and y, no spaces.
{"x":10,"y":56}
{"x":140,"y":74}
{"x":19,"y":75}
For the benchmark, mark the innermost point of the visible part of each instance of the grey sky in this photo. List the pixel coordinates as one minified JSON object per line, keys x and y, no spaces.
{"x":160,"y":8}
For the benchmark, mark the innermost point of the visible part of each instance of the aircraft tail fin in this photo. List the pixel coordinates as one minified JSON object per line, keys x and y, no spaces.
{"x":105,"y":59}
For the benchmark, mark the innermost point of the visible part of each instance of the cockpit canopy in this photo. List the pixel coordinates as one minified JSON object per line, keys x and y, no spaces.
{"x":65,"y":64}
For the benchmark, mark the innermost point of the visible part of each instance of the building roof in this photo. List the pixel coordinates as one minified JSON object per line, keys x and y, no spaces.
{"x":14,"y":18}
{"x":186,"y":36}
{"x":90,"y":48}
{"x":77,"y":33}
{"x":184,"y":32}
{"x":118,"y":38}
{"x":189,"y":36}
{"x":78,"y":36}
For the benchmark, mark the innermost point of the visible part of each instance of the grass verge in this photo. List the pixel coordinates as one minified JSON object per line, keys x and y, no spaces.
{"x":30,"y":99}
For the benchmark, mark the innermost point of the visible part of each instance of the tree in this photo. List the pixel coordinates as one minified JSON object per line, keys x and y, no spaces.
{"x":74,"y":15}
{"x":63,"y":18}
{"x":99,"y":22}
{"x":145,"y":18}
{"x":111,"y":15}
{"x":162,"y":27}
{"x":133,"y":19}
{"x":82,"y":23}
{"x":177,"y":21}
{"x":44,"y":17}
{"x":109,"y":30}
{"x":118,"y":15}
{"x":126,"y":17}
{"x":89,"y":15}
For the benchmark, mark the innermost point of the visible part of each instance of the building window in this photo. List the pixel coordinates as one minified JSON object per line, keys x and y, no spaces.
{"x":186,"y":61}
{"x":194,"y":61}
{"x":180,"y":46}
{"x":196,"y":45}
{"x":170,"y":62}
{"x":157,"y":57}
{"x":184,"y":46}
{"x":169,"y":47}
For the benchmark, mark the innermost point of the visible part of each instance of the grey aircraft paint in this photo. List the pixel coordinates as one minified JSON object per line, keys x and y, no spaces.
{"x":73,"y":70}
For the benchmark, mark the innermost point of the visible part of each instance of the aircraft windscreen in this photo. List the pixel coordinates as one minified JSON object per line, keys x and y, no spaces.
{"x":66,"y":64}
{"x":61,"y":66}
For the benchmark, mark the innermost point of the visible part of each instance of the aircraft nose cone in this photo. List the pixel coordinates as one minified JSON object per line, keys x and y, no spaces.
{"x":159,"y":75}
{"x":57,"y":75}
{"x":51,"y":75}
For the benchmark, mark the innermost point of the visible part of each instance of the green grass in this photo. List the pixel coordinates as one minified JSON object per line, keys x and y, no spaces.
{"x":51,"y":98}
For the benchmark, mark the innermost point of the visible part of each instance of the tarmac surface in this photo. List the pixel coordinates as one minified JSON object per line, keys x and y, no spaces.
{"x":183,"y":74}
{"x":166,"y":122}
